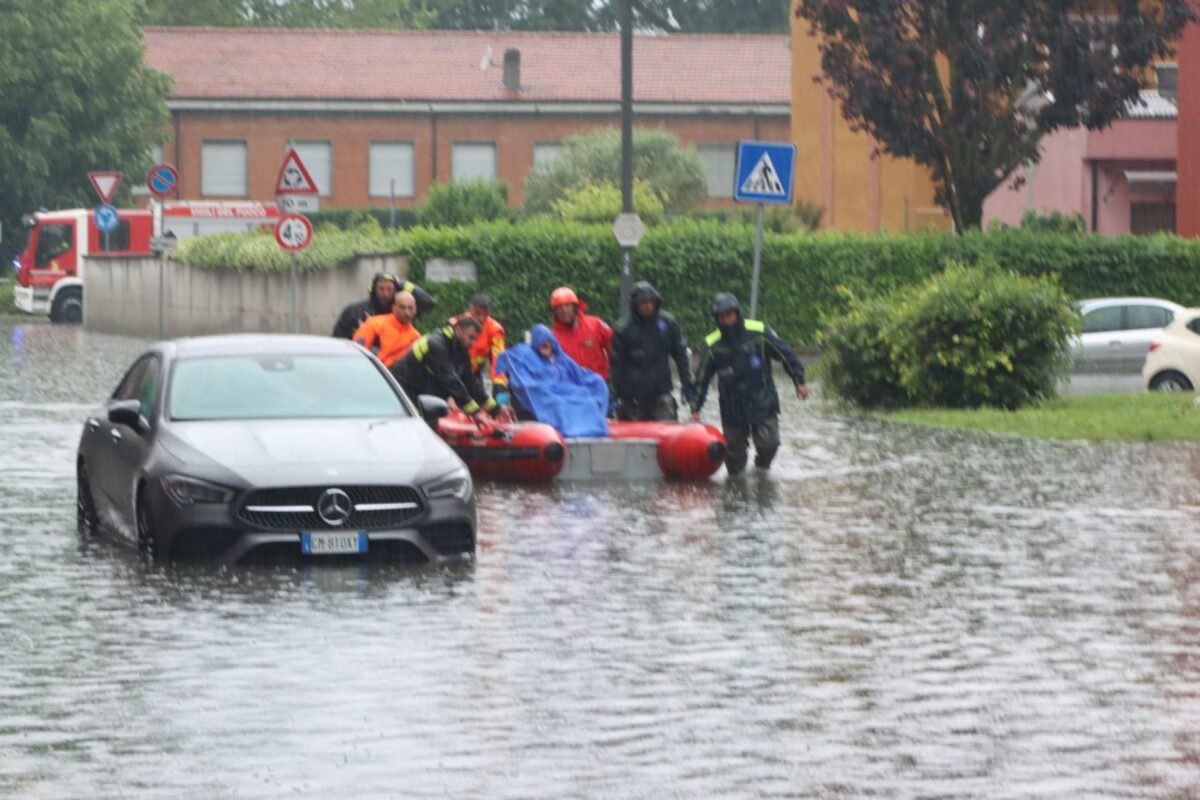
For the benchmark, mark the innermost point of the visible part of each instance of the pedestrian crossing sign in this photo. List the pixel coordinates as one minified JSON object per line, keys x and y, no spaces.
{"x":764,"y":172}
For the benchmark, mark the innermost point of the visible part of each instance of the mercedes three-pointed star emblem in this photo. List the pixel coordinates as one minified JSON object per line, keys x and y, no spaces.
{"x":334,"y":506}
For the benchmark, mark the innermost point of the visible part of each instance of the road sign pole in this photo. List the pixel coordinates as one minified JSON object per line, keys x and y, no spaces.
{"x":758,"y":244}
{"x":156,"y":227}
{"x":292,"y":295}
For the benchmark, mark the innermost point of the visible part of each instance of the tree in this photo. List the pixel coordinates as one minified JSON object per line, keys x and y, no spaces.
{"x":968,"y":88}
{"x":595,"y":158}
{"x":74,"y":97}
{"x":404,"y":14}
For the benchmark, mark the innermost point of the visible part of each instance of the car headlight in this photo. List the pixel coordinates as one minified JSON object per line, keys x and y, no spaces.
{"x":185,"y":491}
{"x":456,"y":484}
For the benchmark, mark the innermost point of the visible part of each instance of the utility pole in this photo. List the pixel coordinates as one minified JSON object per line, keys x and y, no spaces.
{"x":626,"y":145}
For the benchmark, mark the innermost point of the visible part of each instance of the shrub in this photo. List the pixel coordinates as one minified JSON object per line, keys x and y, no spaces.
{"x":600,"y":203}
{"x":674,"y":172}
{"x":858,"y":364}
{"x":777,"y":219}
{"x":452,"y":204}
{"x":969,"y":337}
{"x":355,"y":218}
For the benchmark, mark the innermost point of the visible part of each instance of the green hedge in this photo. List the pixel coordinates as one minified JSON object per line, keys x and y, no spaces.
{"x":805,"y":277}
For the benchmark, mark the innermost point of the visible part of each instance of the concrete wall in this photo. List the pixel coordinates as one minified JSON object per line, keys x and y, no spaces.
{"x":121,"y":296}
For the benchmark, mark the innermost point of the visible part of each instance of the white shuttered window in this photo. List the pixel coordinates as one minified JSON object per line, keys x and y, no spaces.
{"x":391,"y":161}
{"x":223,"y":169}
{"x":470,"y":160}
{"x":318,"y":160}
{"x":720,"y":162}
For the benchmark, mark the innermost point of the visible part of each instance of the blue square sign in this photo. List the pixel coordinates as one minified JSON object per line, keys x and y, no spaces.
{"x":764,"y":172}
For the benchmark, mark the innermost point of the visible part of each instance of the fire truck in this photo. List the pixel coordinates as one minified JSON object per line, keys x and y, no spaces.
{"x":50,"y":277}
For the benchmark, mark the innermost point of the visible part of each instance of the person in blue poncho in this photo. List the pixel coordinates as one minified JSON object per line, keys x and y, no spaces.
{"x":546,"y":383}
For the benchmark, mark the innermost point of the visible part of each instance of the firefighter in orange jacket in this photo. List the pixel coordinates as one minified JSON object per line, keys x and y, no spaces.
{"x":490,"y":344}
{"x":389,"y":336}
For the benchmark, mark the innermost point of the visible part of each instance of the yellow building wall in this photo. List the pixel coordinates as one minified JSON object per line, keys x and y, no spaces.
{"x":835,"y":167}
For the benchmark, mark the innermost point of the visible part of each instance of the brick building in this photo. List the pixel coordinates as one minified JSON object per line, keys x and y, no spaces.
{"x":374,"y":113}
{"x":1188,"y":185}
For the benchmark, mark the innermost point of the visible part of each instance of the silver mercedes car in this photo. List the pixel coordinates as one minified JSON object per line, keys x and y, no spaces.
{"x":237,"y":448}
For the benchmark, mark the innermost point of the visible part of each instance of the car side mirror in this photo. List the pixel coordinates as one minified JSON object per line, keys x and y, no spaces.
{"x":432,"y":408}
{"x":129,"y":413}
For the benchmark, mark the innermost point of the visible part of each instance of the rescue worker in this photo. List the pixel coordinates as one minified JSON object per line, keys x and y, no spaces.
{"x":490,"y":344}
{"x":439,"y":364}
{"x":643,"y":345}
{"x":739,"y":352}
{"x":586,"y":339}
{"x":389,"y":336}
{"x":379,"y":301}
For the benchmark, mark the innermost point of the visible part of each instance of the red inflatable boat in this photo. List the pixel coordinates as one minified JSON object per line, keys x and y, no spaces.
{"x":526,"y":451}
{"x":687,"y":450}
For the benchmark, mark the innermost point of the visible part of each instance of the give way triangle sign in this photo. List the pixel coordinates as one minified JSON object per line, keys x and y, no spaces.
{"x":294,"y":177}
{"x":105,"y":184}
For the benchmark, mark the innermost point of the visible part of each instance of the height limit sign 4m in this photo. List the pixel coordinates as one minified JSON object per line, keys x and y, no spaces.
{"x":293,"y":232}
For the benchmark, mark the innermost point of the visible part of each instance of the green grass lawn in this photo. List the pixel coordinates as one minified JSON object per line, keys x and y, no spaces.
{"x":6,"y":297}
{"x":1145,"y":417}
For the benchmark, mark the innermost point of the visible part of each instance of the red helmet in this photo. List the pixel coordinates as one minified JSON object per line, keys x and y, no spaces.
{"x":562,"y":296}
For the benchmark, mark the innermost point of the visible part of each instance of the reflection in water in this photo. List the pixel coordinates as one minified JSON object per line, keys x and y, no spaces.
{"x":891,"y":611}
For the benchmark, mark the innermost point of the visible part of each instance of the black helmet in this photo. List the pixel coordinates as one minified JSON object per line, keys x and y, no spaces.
{"x":723,"y":302}
{"x":384,"y":276}
{"x":644,"y":290}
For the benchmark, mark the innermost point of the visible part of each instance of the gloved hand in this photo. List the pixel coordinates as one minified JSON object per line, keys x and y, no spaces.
{"x":502,"y":397}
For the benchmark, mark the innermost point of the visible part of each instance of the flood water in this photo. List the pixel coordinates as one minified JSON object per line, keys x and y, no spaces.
{"x":891,"y":612}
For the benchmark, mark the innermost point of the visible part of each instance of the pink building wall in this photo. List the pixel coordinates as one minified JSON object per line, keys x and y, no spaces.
{"x":1062,"y":181}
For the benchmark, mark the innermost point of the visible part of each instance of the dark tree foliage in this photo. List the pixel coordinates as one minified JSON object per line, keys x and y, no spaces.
{"x":405,"y":14}
{"x":969,"y":87}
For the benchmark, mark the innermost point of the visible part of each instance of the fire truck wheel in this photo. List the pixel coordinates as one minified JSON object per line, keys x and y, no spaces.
{"x":68,"y":306}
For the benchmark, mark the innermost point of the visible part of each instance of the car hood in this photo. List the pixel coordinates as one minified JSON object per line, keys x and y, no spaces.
{"x":285,"y":452}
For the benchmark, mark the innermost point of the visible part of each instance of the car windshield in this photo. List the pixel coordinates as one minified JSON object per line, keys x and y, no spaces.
{"x":280,"y":387}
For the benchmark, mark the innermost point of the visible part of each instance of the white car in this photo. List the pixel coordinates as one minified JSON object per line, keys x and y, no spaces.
{"x":1173,"y":361}
{"x":1117,"y":332}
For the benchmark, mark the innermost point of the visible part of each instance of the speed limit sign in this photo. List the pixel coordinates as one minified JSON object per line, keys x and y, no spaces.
{"x":293,"y":232}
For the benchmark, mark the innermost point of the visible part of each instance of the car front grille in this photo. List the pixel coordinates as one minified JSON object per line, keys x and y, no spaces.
{"x":295,"y":508}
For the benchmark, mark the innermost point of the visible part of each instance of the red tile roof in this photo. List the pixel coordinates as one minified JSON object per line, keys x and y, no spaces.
{"x":260,"y":64}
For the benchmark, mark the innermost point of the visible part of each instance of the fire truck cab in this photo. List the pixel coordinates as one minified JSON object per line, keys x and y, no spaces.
{"x":50,"y":278}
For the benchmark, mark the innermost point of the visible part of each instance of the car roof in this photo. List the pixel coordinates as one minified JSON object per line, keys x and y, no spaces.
{"x":1093,"y":302}
{"x":258,"y":344}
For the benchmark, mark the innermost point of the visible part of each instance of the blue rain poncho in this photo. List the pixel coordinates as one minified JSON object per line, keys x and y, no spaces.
{"x":558,"y":392}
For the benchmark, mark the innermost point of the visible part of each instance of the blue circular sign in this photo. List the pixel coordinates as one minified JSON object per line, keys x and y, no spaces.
{"x":162,"y":179}
{"x":106,"y":218}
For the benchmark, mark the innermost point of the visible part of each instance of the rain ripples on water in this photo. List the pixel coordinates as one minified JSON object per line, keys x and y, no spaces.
{"x":891,"y":612}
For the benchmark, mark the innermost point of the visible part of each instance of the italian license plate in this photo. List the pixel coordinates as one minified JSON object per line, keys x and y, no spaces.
{"x":319,"y":544}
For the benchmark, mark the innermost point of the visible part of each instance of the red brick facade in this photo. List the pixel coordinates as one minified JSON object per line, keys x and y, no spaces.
{"x":1187,"y":191}
{"x":432,"y":89}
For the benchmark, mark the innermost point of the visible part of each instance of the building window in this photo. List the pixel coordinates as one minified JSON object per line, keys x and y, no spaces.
{"x":1152,"y":218}
{"x":720,"y":163}
{"x":470,"y":160}
{"x":223,"y":169}
{"x":1167,"y":79}
{"x":317,"y":158}
{"x":545,"y":152}
{"x":391,"y":169}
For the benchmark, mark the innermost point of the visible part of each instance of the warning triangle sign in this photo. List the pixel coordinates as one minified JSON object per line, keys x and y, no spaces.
{"x":763,"y":179}
{"x":105,"y":184}
{"x":294,"y":177}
